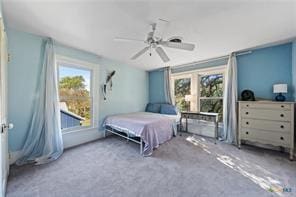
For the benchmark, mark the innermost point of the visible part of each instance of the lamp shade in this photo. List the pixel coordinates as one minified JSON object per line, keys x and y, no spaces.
{"x":280,"y":88}
{"x":187,"y":97}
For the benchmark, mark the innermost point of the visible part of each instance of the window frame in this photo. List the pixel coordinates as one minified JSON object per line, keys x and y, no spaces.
{"x":195,"y":83}
{"x":218,"y":71}
{"x":211,"y":98}
{"x":94,"y":87}
{"x":180,"y":76}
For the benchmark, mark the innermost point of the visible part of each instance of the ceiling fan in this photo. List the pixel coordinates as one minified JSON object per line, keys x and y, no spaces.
{"x":157,"y":43}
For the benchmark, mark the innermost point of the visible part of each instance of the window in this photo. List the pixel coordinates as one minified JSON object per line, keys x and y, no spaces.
{"x":204,"y":88}
{"x":182,"y":87}
{"x":211,"y":93}
{"x":76,"y":95}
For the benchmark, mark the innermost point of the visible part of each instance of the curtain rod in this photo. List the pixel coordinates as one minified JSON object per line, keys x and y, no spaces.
{"x":210,"y":60}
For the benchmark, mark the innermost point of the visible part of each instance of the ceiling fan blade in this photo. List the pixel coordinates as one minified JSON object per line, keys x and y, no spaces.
{"x":178,"y":45}
{"x":140,"y":53}
{"x":162,"y":54}
{"x":127,"y":39}
{"x":162,"y":26}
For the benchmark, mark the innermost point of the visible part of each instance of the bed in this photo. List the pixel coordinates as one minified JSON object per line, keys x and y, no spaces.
{"x":147,"y":129}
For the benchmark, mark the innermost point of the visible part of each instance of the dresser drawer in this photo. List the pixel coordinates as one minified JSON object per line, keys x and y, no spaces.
{"x":266,"y":114}
{"x":258,"y":105}
{"x":266,"y":125}
{"x":273,"y":138}
{"x":267,"y":122}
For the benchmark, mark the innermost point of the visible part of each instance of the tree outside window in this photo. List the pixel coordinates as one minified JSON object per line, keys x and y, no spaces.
{"x":75,"y":96}
{"x":182,"y":88}
{"x":211,"y":94}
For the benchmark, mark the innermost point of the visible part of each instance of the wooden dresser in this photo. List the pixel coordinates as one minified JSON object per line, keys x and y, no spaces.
{"x":267,"y":122}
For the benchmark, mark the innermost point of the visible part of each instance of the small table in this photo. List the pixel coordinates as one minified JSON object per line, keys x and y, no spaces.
{"x":213,"y":117}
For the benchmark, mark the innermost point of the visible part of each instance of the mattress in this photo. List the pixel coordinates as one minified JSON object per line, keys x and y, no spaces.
{"x":154,"y":129}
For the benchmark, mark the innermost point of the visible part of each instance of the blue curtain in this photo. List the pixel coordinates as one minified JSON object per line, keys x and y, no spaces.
{"x":229,"y":102}
{"x":167,"y":85}
{"x":44,"y":138}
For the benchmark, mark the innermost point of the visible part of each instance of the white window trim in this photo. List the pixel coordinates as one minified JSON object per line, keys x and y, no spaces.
{"x":211,"y":98}
{"x":94,"y":68}
{"x":181,"y":76}
{"x":194,"y":75}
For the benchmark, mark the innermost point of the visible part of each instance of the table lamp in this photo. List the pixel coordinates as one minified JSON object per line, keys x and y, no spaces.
{"x":280,"y":89}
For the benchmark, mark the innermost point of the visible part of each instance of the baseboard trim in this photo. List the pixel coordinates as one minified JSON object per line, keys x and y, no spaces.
{"x":70,"y":140}
{"x":3,"y":188}
{"x":76,"y":138}
{"x":14,"y":156}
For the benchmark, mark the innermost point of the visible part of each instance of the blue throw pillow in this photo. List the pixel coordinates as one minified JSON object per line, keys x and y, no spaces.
{"x":153,"y":107}
{"x":168,"y":109}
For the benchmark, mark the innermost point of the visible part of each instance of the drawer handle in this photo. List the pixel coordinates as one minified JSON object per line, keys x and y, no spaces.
{"x":247,"y":113}
{"x":282,"y":126}
{"x":282,"y":106}
{"x":282,"y":138}
{"x":247,"y":132}
{"x":247,"y":105}
{"x":247,"y":122}
{"x":282,"y":115}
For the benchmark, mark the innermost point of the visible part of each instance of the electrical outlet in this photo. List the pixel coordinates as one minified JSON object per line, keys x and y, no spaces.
{"x":8,"y":57}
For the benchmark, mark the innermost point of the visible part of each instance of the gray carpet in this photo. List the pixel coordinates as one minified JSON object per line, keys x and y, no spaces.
{"x":185,"y":166}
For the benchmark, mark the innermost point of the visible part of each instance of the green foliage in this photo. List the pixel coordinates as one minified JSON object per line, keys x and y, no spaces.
{"x":182,"y":88}
{"x":73,"y":91}
{"x":76,"y":82}
{"x":211,"y":85}
{"x":212,"y":105}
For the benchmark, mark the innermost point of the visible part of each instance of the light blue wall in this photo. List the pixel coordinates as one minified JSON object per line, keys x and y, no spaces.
{"x":129,"y":94}
{"x":23,"y":69}
{"x":262,"y":68}
{"x":294,"y":69}
{"x":130,"y":90}
{"x":257,"y":71}
{"x":156,"y":87}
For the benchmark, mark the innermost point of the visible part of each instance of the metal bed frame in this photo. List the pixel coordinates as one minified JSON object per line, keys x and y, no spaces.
{"x":128,"y":136}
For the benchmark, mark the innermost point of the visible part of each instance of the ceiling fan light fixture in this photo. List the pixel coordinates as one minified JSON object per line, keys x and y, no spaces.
{"x":155,"y":43}
{"x":176,"y":39}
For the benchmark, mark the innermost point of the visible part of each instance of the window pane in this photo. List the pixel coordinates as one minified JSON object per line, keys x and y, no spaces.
{"x":211,"y":85}
{"x":74,"y":81}
{"x":75,"y":112}
{"x":75,"y":97}
{"x":182,"y":88}
{"x":212,"y":105}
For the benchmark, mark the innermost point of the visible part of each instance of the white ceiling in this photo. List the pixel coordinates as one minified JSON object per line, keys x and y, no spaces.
{"x":216,"y":27}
